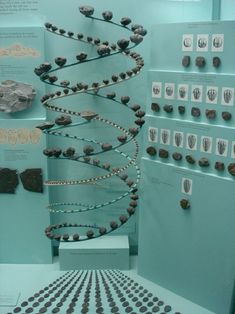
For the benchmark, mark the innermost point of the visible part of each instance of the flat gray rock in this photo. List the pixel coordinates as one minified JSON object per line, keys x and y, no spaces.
{"x":15,"y":96}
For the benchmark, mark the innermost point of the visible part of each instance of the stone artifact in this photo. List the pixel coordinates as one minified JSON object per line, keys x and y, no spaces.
{"x":217,"y":42}
{"x":151,"y":151}
{"x":211,"y":114}
{"x":32,"y":180}
{"x":155,"y":107}
{"x":200,"y":62}
{"x":15,"y":96}
{"x":8,"y":180}
{"x":231,"y":169}
{"x":204,"y":162}
{"x":186,"y":61}
{"x":185,"y":204}
{"x":168,"y":108}
{"x":123,"y":43}
{"x":219,"y":166}
{"x":177,"y":156}
{"x":107,"y":15}
{"x":190,"y":159}
{"x":181,"y":109}
{"x":195,"y":112}
{"x":226,"y":115}
{"x":216,"y":62}
{"x":163,"y":153}
{"x":86,"y":10}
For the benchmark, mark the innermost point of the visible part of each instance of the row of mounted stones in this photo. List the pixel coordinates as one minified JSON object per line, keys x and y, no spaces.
{"x":202,"y":162}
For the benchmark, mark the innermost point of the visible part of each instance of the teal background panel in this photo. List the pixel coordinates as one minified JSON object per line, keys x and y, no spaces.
{"x":190,"y":81}
{"x":173,"y":52}
{"x":27,"y":51}
{"x":193,"y":253}
{"x":23,"y":216}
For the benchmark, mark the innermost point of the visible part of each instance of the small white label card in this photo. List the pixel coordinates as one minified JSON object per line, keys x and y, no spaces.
{"x":191,"y":141}
{"x":196,"y":93}
{"x":187,"y":186}
{"x":212,"y":94}
{"x":227,"y":96}
{"x":221,"y":147}
{"x":206,"y":144}
{"x":178,"y":139}
{"x":187,"y":42}
{"x":202,"y":42}
{"x":217,"y":43}
{"x":152,"y":134}
{"x":156,"y":89}
{"x":233,"y":149}
{"x":169,"y":90}
{"x":182,"y":92}
{"x":165,"y":136}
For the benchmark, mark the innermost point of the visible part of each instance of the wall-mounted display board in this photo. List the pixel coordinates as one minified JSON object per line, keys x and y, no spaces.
{"x":22,"y":194}
{"x":188,"y":164}
{"x":21,"y":49}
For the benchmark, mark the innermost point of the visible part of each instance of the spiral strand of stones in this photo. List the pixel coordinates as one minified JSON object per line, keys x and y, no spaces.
{"x":92,"y":148}
{"x":94,"y":292}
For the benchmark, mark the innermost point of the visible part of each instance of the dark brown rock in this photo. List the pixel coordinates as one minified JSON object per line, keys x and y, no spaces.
{"x":219,"y":166}
{"x":231,"y":169}
{"x":190,"y":159}
{"x":107,"y":15}
{"x":88,"y":149}
{"x":86,"y":10}
{"x":195,"y":112}
{"x":181,"y":109}
{"x":185,"y":204}
{"x":8,"y":180}
{"x":63,"y":120}
{"x":216,"y":62}
{"x":123,"y":43}
{"x":151,"y":151}
{"x":106,"y":146}
{"x":163,"y":153}
{"x":177,"y":156}
{"x":32,"y":180}
{"x":211,"y":114}
{"x":186,"y":61}
{"x":200,"y":62}
{"x":168,"y":108}
{"x":125,"y":21}
{"x":45,"y":125}
{"x":60,"y":61}
{"x":204,"y":162}
{"x":155,"y":107}
{"x":226,"y":115}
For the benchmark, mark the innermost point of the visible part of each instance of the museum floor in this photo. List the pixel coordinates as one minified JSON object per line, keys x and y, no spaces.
{"x":20,"y":282}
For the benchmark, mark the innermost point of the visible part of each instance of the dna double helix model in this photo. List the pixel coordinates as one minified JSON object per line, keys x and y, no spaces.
{"x":90,"y":152}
